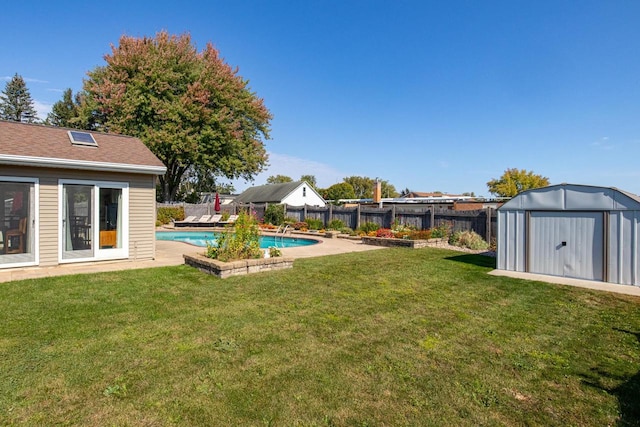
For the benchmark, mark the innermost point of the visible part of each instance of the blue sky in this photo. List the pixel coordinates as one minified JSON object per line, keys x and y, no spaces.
{"x":430,"y":96}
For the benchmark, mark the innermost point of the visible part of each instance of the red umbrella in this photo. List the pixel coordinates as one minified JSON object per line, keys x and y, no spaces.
{"x":216,"y":204}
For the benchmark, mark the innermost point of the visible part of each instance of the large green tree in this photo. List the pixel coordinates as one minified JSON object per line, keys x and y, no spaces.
{"x":363,"y":187}
{"x":65,"y":113}
{"x":514,"y":181}
{"x":342,"y":190}
{"x":189,"y":107}
{"x":279,"y":179}
{"x":16,"y":103}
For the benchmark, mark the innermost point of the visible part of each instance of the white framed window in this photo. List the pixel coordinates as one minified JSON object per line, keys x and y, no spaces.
{"x":19,"y":214}
{"x":94,"y":220}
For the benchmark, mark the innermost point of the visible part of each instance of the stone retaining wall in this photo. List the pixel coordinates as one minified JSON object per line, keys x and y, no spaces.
{"x":388,"y":242}
{"x":236,"y":268}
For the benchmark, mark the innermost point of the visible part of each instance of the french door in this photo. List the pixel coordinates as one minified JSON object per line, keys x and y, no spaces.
{"x":18,"y":221}
{"x":94,"y":220}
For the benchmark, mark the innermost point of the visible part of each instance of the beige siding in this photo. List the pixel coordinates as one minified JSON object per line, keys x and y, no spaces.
{"x":141,"y":208}
{"x":142,"y":219}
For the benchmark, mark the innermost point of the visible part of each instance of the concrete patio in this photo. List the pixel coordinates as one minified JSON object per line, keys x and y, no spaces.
{"x":170,"y":253}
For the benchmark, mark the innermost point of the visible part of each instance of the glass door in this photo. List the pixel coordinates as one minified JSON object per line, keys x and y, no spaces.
{"x":110,"y":218}
{"x":77,"y":221}
{"x":17,"y":222}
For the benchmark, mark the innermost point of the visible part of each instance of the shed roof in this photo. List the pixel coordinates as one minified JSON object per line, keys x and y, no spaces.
{"x":573,"y":197}
{"x":47,"y":146}
{"x":270,"y":193}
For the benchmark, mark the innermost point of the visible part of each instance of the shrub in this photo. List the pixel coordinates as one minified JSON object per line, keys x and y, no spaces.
{"x":300,"y":225}
{"x":401,"y":234}
{"x":468,"y":239}
{"x":441,"y":232}
{"x":420,"y":235}
{"x":336,"y":224}
{"x":167,"y":214}
{"x":274,"y":252}
{"x":290,"y":220}
{"x":347,"y":230}
{"x":385,"y":232}
{"x":239,"y":242}
{"x":368,"y":227}
{"x":314,"y":223}
{"x":274,"y":214}
{"x":401,"y":228}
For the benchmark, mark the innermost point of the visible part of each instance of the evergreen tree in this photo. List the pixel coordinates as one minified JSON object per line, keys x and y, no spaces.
{"x":16,"y":103}
{"x":64,"y":113}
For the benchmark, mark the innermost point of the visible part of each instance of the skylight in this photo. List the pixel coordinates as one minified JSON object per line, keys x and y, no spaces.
{"x":82,"y":138}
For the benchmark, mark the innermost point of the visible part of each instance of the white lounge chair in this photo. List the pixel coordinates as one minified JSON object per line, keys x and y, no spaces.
{"x":215,"y":219}
{"x":204,"y":218}
{"x":230,"y":220}
{"x":185,"y":222}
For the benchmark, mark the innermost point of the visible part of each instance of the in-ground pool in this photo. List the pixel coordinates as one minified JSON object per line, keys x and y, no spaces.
{"x":200,"y":238}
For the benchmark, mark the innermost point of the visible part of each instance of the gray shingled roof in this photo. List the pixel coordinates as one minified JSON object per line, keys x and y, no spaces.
{"x":270,"y":193}
{"x":39,"y":145}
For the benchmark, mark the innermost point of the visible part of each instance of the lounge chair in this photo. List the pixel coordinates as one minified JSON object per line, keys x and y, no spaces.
{"x":185,"y":222}
{"x":204,"y":220}
{"x":230,"y":220}
{"x":215,"y":219}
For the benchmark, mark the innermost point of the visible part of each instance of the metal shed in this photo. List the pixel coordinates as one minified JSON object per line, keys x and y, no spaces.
{"x":575,"y":231}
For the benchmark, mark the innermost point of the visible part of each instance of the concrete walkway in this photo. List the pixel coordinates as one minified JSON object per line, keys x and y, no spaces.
{"x":170,"y":253}
{"x":589,"y":284}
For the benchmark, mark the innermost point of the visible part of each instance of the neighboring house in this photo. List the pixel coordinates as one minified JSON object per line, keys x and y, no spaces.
{"x":72,"y":196}
{"x":291,"y":193}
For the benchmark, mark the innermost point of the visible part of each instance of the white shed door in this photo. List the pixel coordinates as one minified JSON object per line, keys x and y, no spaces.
{"x":567,"y":244}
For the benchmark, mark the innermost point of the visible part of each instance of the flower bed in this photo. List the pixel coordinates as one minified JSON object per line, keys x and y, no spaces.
{"x":391,"y":242}
{"x":236,"y":268}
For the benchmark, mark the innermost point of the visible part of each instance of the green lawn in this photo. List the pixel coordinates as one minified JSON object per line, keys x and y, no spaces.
{"x":381,"y":338}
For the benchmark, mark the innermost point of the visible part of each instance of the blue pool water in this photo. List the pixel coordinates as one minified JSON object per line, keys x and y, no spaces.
{"x":200,"y":238}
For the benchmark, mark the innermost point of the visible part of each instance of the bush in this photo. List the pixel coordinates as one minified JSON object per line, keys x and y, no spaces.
{"x":300,"y":225}
{"x":441,"y":232}
{"x":368,"y":227}
{"x":420,"y":235}
{"x":468,"y":239}
{"x":167,"y":214}
{"x":385,"y":232}
{"x":239,"y":242}
{"x":336,"y":224}
{"x":347,"y":230}
{"x":314,"y":223}
{"x":290,"y":220}
{"x":274,"y":214}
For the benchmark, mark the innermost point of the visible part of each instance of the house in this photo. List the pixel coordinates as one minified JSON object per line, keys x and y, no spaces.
{"x":73,"y":196}
{"x":298,"y":193}
{"x":574,"y":231}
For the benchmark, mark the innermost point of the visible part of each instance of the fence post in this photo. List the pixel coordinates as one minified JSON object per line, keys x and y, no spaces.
{"x":358,"y":217}
{"x":304,"y":212}
{"x":393,"y":214}
{"x":432,"y":223}
{"x":286,"y":212}
{"x":488,"y":211}
{"x":330,"y":214}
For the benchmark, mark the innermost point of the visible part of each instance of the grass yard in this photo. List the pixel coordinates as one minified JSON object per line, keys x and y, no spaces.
{"x":381,"y":338}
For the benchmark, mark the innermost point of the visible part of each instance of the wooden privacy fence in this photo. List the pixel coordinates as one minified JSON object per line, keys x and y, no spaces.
{"x":482,"y":221}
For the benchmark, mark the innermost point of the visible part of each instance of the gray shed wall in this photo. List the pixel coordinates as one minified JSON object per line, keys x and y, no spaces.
{"x":621,"y":227}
